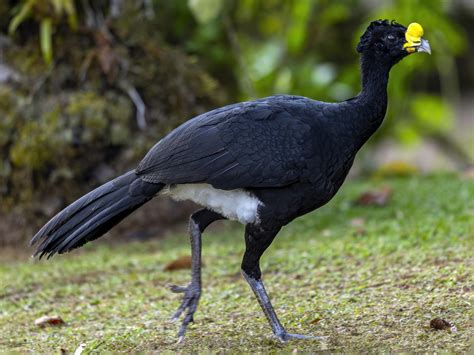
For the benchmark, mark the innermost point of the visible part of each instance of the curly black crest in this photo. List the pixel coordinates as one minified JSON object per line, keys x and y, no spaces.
{"x":374,"y":27}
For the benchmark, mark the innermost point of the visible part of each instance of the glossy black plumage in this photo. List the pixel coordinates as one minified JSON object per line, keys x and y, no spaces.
{"x":291,"y":153}
{"x":253,"y":144}
{"x":292,"y":147}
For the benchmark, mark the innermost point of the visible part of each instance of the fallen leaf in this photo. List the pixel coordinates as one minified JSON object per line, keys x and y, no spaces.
{"x":183,"y":262}
{"x":49,"y":320}
{"x":375,"y":198}
{"x":80,"y":349}
{"x":442,"y":324}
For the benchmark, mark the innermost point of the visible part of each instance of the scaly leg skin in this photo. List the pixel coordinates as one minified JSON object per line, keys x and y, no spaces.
{"x":192,"y":292}
{"x":257,"y":241}
{"x":259,"y":290}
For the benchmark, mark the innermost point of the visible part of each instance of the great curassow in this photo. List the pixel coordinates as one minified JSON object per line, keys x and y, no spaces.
{"x":262,"y":163}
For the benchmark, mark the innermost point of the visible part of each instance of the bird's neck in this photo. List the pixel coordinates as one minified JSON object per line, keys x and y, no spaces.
{"x":374,"y":85}
{"x":372,"y":100}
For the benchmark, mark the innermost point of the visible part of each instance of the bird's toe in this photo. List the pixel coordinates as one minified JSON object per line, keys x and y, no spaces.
{"x":188,"y":305}
{"x":177,"y":289}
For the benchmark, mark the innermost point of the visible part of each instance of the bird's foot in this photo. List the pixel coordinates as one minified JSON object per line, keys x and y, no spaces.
{"x":284,"y":337}
{"x":191,"y":296}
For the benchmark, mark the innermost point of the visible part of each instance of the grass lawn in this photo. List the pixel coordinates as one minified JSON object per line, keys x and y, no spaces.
{"x":369,"y":278}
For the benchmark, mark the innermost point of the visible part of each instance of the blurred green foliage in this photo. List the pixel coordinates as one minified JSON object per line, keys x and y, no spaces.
{"x":72,"y":122}
{"x":47,"y":13}
{"x":306,"y":48}
{"x":88,"y":86}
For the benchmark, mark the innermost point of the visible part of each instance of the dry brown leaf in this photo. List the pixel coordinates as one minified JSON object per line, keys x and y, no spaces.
{"x":183,"y":262}
{"x":375,"y":198}
{"x":442,"y":324}
{"x":49,"y":320}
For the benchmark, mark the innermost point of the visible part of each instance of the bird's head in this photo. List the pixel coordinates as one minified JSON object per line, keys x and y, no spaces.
{"x":390,"y":42}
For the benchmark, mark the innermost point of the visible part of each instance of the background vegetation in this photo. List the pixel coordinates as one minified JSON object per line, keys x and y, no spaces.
{"x":86,"y":87}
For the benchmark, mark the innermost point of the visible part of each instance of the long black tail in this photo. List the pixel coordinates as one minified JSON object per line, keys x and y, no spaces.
{"x":94,"y":214}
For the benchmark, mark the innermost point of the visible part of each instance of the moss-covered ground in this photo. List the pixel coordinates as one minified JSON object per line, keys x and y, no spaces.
{"x":368,"y":278}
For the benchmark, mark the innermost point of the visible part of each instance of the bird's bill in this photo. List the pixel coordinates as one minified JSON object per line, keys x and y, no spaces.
{"x":414,"y":40}
{"x":424,"y":46}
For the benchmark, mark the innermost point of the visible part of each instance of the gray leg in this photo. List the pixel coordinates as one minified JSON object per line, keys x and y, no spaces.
{"x":257,"y":241}
{"x":192,"y":292}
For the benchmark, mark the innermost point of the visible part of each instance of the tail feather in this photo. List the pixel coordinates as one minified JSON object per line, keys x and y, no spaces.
{"x":123,"y":205}
{"x":63,"y":216}
{"x":72,"y":221}
{"x":94,"y":214}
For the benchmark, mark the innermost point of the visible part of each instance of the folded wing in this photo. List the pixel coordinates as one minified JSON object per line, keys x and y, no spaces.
{"x":254,"y":144}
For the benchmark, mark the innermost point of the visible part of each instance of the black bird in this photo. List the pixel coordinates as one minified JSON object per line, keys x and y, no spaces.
{"x":263,"y":163}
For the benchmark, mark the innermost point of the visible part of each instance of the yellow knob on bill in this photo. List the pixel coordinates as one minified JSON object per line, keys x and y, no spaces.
{"x":413,"y":36}
{"x":414,"y":30}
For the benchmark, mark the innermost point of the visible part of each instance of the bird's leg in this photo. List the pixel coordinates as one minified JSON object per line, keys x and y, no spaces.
{"x":258,"y":289}
{"x":256,"y":242}
{"x":192,"y":292}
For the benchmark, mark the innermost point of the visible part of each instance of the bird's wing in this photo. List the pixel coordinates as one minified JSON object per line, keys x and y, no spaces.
{"x":255,"y":144}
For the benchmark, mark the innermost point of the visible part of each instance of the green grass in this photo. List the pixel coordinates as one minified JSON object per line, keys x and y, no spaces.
{"x":372,"y":290}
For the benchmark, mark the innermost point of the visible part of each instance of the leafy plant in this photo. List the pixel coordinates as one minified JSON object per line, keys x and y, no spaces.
{"x":48,"y":14}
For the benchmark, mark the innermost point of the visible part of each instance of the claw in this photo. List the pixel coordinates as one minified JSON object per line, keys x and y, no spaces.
{"x":191,"y":296}
{"x":177,"y":289}
{"x":177,"y":314}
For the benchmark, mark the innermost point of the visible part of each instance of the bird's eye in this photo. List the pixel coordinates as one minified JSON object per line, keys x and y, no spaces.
{"x":391,"y":37}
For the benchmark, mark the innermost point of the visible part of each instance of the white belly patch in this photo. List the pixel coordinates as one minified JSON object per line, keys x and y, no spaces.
{"x":237,"y":205}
